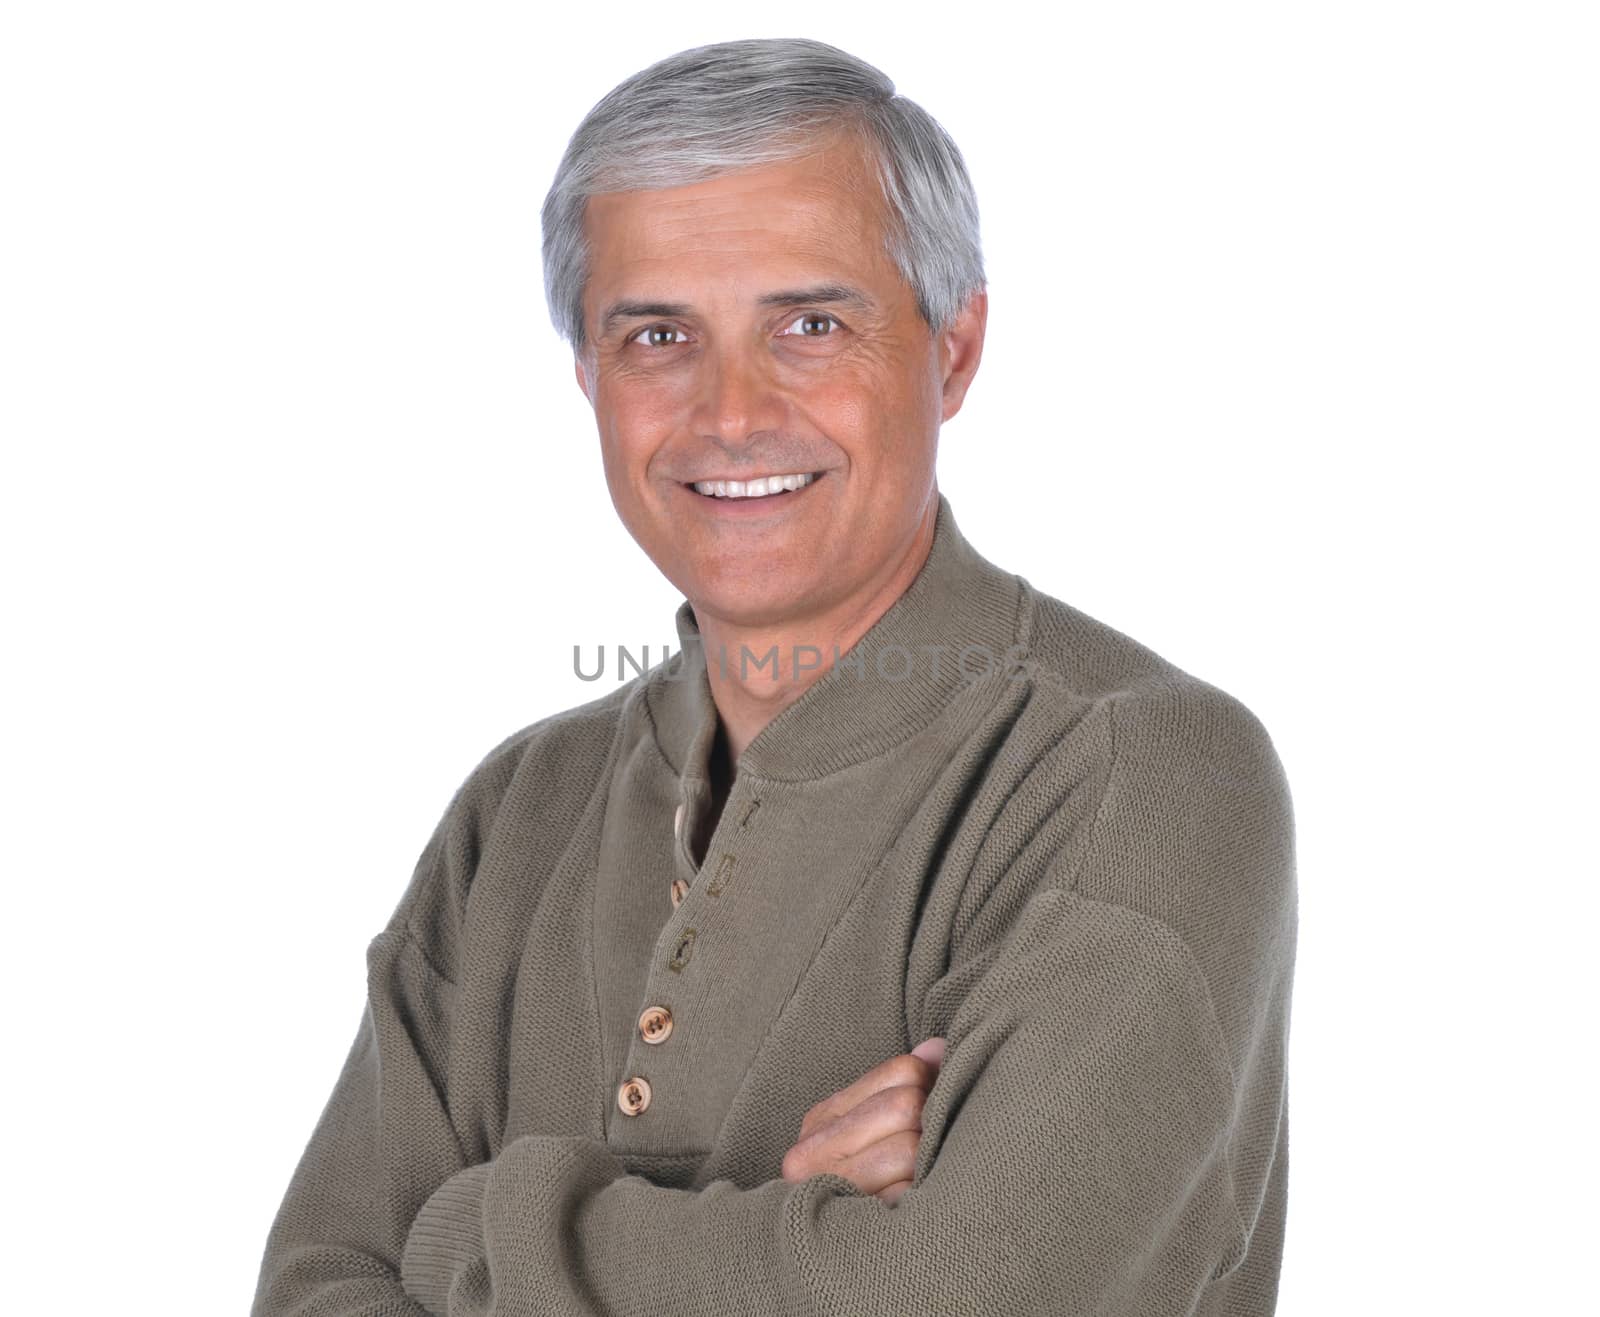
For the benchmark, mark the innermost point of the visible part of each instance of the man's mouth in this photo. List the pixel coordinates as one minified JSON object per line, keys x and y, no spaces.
{"x":761,"y":487}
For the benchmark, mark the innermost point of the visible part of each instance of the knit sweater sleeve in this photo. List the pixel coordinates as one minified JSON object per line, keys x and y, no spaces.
{"x":385,"y":1138}
{"x":1077,"y":1152}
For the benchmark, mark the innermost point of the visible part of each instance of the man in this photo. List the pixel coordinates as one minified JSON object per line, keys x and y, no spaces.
{"x":917,"y":943}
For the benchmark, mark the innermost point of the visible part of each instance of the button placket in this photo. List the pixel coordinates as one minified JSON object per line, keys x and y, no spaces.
{"x":655,"y":1023}
{"x":736,"y":816}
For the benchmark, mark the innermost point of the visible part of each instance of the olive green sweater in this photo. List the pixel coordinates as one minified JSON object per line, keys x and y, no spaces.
{"x":584,"y":1054}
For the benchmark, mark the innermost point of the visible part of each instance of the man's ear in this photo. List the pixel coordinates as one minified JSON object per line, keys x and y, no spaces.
{"x":961,"y":348}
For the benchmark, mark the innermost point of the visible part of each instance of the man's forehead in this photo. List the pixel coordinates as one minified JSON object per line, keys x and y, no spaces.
{"x":763,"y":259}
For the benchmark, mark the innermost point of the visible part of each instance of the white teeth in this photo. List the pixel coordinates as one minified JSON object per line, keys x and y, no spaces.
{"x":760,"y":487}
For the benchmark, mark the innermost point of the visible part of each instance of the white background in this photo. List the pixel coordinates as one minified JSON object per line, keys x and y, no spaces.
{"x":1290,"y":374}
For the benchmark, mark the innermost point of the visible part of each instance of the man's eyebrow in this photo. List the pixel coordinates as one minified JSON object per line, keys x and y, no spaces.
{"x":837,"y":294}
{"x":818,"y":294}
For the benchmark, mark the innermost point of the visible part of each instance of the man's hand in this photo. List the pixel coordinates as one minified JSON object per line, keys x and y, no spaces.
{"x":869,"y":1132}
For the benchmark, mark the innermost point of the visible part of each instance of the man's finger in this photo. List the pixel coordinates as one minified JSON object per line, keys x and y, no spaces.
{"x":907,"y":1068}
{"x":874,"y":1167}
{"x":879,"y":1116}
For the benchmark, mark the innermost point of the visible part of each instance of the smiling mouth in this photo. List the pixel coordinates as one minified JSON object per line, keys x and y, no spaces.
{"x":761,"y":487}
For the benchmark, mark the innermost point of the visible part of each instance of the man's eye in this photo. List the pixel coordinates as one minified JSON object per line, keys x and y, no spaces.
{"x":657,"y":329}
{"x":813,"y":318}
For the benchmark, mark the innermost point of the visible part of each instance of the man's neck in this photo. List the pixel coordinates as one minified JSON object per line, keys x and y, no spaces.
{"x":749,"y":697}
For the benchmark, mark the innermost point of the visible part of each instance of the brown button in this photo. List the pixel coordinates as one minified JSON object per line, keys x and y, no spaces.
{"x":655,"y":1024}
{"x":634,"y":1095}
{"x":680,"y":889}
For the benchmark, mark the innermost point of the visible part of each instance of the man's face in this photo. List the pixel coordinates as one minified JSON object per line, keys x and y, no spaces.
{"x":708,"y":375}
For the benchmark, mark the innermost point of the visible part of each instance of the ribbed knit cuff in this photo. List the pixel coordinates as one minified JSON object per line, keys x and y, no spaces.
{"x":447,"y":1234}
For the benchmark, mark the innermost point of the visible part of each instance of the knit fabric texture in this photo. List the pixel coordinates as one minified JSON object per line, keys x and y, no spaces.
{"x":994,"y":819}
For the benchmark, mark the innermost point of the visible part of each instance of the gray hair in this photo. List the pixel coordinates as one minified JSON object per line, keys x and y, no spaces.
{"x":708,"y":111}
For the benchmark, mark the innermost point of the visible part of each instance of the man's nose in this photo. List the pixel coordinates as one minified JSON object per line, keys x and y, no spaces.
{"x":737,"y":395}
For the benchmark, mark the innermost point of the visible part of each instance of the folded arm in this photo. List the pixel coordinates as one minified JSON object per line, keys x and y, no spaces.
{"x":1074,"y":1158}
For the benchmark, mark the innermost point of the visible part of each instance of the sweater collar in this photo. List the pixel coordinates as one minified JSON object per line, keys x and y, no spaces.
{"x":887,"y":686}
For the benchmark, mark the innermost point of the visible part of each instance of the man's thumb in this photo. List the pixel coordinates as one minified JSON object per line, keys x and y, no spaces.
{"x":930,"y":1050}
